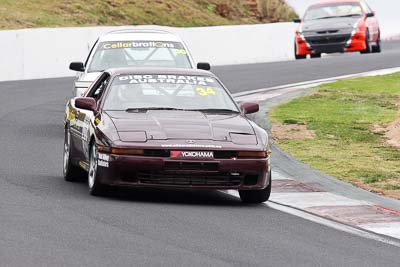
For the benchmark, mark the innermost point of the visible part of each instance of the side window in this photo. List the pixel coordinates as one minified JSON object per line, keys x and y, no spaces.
{"x":101,"y":88}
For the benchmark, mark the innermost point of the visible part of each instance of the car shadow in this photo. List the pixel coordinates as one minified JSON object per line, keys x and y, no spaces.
{"x":174,"y":196}
{"x":171,"y":196}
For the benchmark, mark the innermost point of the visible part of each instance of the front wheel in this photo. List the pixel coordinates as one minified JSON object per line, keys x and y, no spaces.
{"x":300,"y":57}
{"x":367,"y":44}
{"x":71,"y":172}
{"x":256,"y":196}
{"x":95,"y":187}
{"x":316,"y":55}
{"x":297,"y":57}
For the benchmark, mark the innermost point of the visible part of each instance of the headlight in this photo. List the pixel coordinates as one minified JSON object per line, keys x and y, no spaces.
{"x":251,"y":154}
{"x":127,"y":151}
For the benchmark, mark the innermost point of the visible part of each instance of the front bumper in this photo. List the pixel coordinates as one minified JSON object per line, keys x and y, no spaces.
{"x":330,"y":43}
{"x":139,"y":171}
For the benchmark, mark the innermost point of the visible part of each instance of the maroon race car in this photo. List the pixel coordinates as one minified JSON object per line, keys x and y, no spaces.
{"x":171,"y":128}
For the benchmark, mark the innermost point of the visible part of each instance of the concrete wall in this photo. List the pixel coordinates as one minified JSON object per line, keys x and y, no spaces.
{"x":46,"y":53}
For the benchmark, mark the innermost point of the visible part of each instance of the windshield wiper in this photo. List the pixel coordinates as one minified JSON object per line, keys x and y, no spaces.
{"x":329,"y":17}
{"x":216,"y":110}
{"x":209,"y":110}
{"x":350,"y":15}
{"x":150,"y":108}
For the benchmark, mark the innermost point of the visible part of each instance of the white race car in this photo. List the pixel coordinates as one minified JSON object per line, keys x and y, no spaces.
{"x":132,"y":48}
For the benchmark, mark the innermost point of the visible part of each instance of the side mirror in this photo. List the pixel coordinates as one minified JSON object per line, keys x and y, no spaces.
{"x":87,"y":103}
{"x":249,"y":108}
{"x":203,"y":66}
{"x":370,"y":15}
{"x":77,"y":66}
{"x":297,"y":20}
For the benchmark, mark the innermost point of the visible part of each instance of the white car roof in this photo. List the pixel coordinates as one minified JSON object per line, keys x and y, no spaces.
{"x":140,"y":35}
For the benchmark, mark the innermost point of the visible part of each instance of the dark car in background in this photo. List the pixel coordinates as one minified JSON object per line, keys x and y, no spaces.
{"x":337,"y":26}
{"x":174,"y":128}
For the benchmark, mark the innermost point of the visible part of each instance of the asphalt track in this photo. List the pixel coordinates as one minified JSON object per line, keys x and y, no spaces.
{"x":239,"y":78}
{"x":45,"y":221}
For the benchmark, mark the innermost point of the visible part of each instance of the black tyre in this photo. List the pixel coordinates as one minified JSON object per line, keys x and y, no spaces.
{"x":300,"y":57}
{"x":256,"y":196}
{"x":297,"y":57}
{"x":95,"y":187}
{"x":71,"y":172}
{"x":367,"y":44}
{"x":377,"y":47}
{"x":317,"y":55}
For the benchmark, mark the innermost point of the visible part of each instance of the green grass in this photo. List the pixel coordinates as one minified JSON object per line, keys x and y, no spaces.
{"x":343,"y":114}
{"x":16,"y":14}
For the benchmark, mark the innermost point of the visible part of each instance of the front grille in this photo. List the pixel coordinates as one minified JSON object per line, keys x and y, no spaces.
{"x":325,"y":32}
{"x":156,"y":153}
{"x":320,"y":40}
{"x":191,"y":166}
{"x":188,"y":178}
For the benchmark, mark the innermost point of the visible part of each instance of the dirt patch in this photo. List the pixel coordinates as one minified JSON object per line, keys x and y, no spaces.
{"x":391,"y":132}
{"x":291,"y":131}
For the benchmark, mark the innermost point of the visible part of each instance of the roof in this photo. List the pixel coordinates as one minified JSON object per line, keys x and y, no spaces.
{"x":139,"y":31}
{"x":168,"y":71}
{"x":335,"y":2}
{"x":140,"y":35}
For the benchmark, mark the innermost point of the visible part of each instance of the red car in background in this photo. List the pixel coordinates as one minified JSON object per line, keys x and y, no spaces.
{"x":337,"y":26}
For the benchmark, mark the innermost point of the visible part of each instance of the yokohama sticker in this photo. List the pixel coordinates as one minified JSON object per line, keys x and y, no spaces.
{"x":190,"y":146}
{"x":193,"y":154}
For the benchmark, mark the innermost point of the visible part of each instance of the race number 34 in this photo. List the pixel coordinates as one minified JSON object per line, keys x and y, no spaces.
{"x":205,"y":91}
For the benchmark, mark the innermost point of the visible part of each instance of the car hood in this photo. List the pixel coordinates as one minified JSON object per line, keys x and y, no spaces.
{"x":329,"y":24}
{"x":189,"y":125}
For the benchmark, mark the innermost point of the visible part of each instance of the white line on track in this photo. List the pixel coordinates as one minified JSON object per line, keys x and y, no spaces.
{"x":303,"y":200}
{"x":323,"y":221}
{"x":389,"y":229}
{"x":314,"y":83}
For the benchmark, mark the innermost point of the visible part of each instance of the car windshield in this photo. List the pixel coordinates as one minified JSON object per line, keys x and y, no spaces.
{"x":139,"y":53}
{"x":136,"y":93}
{"x":333,"y":11}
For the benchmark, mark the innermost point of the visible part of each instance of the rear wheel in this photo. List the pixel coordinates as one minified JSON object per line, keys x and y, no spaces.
{"x":298,"y":56}
{"x":367,"y":44}
{"x":71,"y":172}
{"x":256,"y":196}
{"x":377,"y":47}
{"x":95,"y":187}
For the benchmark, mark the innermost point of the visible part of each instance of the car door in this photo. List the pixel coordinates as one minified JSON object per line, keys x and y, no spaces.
{"x":84,"y":121}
